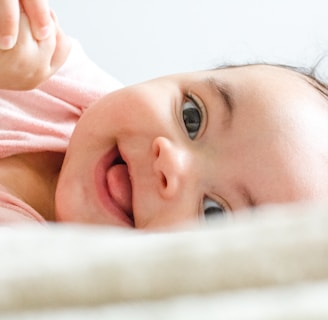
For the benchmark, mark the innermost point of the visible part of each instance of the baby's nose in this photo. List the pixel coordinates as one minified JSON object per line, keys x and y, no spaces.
{"x":171,"y":166}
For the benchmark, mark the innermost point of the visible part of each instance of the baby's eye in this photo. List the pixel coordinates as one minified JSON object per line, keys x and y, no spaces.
{"x":212,"y":209}
{"x":192,"y":117}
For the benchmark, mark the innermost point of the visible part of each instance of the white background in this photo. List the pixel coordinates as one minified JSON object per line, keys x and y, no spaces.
{"x":135,"y":40}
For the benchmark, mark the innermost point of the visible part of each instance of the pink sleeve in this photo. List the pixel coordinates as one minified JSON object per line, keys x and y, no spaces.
{"x":43,"y":119}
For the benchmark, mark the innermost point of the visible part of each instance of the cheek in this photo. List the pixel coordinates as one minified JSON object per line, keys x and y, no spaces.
{"x":63,"y":201}
{"x":121,"y":114}
{"x":65,"y":197}
{"x":153,"y":213}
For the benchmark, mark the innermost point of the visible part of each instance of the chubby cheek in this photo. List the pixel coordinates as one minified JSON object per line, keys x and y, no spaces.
{"x":154,"y":216}
{"x":138,"y":108}
{"x":66,"y":203}
{"x":63,"y":205}
{"x":153,"y":211}
{"x":71,"y":198}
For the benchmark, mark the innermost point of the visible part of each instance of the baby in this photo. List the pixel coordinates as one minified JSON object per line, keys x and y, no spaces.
{"x":163,"y":153}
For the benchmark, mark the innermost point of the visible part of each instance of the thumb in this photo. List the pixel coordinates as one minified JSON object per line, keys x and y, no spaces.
{"x":63,"y":46}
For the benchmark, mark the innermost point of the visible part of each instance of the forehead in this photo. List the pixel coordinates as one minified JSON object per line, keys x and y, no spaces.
{"x":269,"y":82}
{"x":245,"y":83}
{"x":260,"y":76}
{"x":249,"y":79}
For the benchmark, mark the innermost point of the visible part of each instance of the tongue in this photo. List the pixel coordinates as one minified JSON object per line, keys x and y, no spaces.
{"x":119,"y":186}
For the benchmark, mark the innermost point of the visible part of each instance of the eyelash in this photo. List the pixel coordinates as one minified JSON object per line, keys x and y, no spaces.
{"x":191,"y":97}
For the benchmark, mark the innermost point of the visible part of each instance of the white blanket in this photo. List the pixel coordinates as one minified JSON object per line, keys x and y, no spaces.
{"x":267,"y":264}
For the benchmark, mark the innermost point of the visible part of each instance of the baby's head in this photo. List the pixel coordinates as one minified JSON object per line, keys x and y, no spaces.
{"x":184,"y":147}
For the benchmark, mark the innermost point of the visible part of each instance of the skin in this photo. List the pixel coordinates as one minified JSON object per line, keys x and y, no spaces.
{"x":265,"y":148}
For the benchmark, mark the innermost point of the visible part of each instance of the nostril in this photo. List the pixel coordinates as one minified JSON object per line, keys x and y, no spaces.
{"x":157,"y":145}
{"x":164,"y":180}
{"x":157,"y":151}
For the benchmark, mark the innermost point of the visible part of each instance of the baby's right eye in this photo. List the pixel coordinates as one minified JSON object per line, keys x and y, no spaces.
{"x":192,"y":117}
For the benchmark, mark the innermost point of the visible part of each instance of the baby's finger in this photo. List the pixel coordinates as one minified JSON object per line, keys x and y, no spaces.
{"x":9,"y":23}
{"x":38,"y":12}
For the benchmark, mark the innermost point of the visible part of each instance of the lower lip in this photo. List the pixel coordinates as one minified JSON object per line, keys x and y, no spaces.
{"x":118,"y":216}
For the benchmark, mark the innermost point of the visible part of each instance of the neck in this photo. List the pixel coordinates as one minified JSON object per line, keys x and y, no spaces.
{"x":33,"y":178}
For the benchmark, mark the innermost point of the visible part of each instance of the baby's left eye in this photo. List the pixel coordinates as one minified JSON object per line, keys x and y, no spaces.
{"x":192,"y":117}
{"x":212,"y":209}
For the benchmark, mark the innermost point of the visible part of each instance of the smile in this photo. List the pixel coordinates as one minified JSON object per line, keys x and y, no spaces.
{"x":115,"y":187}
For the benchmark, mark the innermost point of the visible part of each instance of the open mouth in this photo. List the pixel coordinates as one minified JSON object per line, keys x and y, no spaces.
{"x":117,"y":187}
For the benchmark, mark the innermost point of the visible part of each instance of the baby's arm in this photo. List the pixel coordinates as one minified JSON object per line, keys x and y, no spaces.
{"x":38,"y":12}
{"x":32,"y":61}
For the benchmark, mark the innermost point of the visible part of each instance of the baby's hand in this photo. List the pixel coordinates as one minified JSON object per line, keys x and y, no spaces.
{"x":32,"y":61}
{"x":38,"y":12}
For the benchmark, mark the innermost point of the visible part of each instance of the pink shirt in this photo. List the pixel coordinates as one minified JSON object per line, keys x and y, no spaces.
{"x":43,"y":119}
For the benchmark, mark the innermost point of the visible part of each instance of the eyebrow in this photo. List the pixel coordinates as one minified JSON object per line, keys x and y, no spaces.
{"x":251,"y":203}
{"x":224,"y":92}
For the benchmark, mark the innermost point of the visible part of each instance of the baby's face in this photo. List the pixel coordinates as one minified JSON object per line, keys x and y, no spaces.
{"x":180,"y":148}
